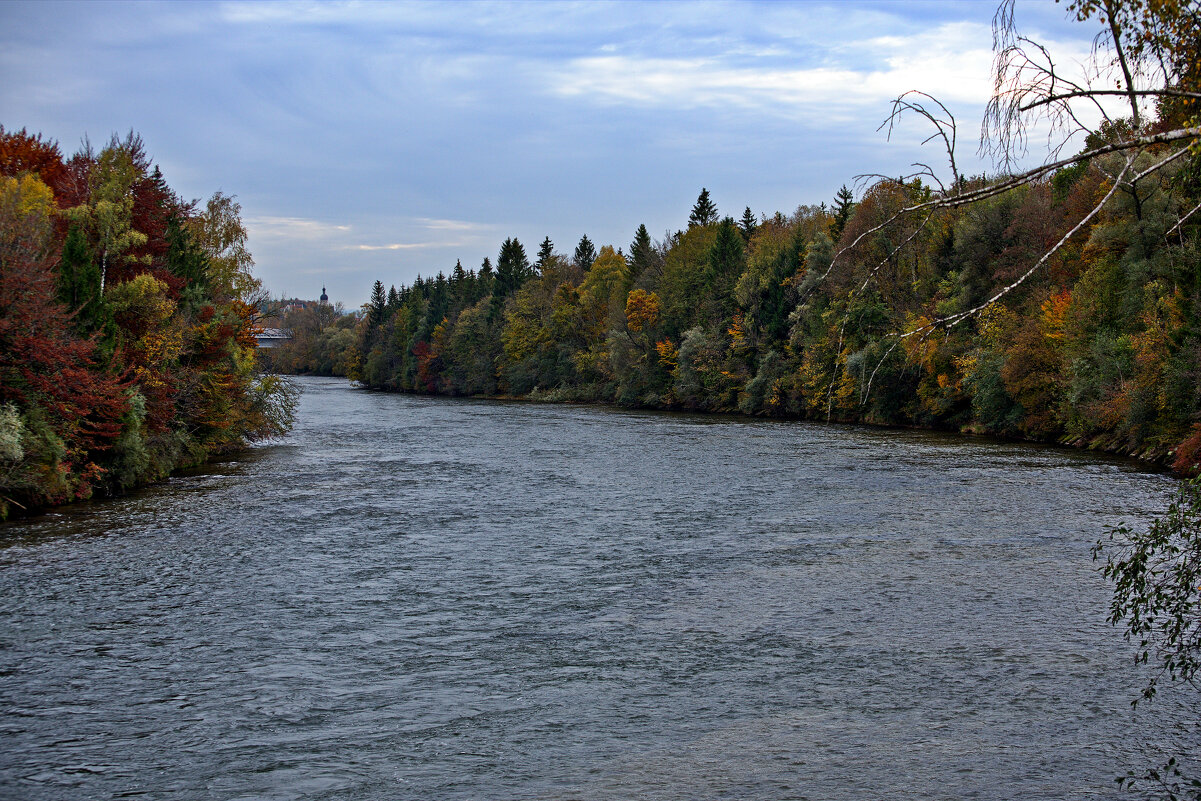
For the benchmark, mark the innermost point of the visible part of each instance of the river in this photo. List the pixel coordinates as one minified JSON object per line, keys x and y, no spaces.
{"x":429,"y":598}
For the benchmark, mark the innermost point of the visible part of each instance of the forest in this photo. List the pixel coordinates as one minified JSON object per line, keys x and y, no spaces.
{"x":1056,"y":304}
{"x":127,"y":321}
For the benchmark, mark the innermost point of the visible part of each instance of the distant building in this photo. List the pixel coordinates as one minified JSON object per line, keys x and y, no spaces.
{"x":284,"y":305}
{"x":274,"y":312}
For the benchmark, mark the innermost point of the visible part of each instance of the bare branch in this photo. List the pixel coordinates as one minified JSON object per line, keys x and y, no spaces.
{"x":1181,"y":221}
{"x":1091,"y":93}
{"x":867,"y":392}
{"x":944,"y":127}
{"x":834,"y":373}
{"x":1159,"y":165}
{"x":846,"y":317}
{"x":1117,"y":46}
{"x":1025,"y":76}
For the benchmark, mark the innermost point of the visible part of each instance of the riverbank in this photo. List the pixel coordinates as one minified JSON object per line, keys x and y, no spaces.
{"x":1155,"y":459}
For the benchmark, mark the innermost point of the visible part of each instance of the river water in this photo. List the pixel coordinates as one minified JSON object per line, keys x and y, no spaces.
{"x":446,"y":599}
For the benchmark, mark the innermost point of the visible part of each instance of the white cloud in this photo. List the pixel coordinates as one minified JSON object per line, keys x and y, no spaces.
{"x":293,"y":228}
{"x":951,"y":62}
{"x":691,"y":83}
{"x":398,"y":246}
{"x":432,"y":233}
{"x":442,"y":233}
{"x":456,"y":225}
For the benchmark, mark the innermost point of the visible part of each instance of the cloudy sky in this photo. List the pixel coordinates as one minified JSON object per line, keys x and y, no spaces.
{"x":382,"y":140}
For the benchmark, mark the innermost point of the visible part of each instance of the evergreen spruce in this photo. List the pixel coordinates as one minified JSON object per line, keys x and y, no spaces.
{"x":585,"y":253}
{"x":641,"y":254}
{"x":747,"y":224}
{"x":185,"y":257}
{"x":704,"y":212}
{"x":512,"y":268}
{"x":79,"y":280}
{"x":726,"y":263}
{"x":545,"y":251}
{"x":377,"y":305}
{"x":844,"y":206}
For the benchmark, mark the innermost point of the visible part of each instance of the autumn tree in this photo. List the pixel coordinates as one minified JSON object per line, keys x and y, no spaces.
{"x":107,"y":212}
{"x":222,"y":236}
{"x":1030,"y":88}
{"x":61,"y":410}
{"x":121,"y":358}
{"x":642,"y":310}
{"x":22,"y":152}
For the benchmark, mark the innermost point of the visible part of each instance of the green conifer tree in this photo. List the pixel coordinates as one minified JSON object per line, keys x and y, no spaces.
{"x":844,"y":206}
{"x":747,"y":224}
{"x":79,"y":281}
{"x":585,"y":253}
{"x":704,"y":212}
{"x":545,"y":251}
{"x":641,"y":253}
{"x":378,"y":305}
{"x":512,"y":268}
{"x":726,"y":263}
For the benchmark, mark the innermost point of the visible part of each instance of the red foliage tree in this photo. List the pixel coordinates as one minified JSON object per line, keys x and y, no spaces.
{"x":43,"y":366}
{"x":20,"y":153}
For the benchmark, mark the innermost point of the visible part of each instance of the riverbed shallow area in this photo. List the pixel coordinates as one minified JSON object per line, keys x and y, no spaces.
{"x":415,"y":597}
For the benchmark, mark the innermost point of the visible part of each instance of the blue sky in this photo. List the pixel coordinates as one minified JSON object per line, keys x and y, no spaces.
{"x":383,"y":140}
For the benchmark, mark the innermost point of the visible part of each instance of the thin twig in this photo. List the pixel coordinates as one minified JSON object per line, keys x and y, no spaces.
{"x":867,"y":393}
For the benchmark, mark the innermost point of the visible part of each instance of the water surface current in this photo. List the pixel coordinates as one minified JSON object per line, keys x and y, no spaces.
{"x":423,"y":598}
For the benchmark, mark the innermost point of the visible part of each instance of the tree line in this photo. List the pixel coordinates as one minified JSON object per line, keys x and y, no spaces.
{"x":127,"y":322}
{"x":752,"y":315}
